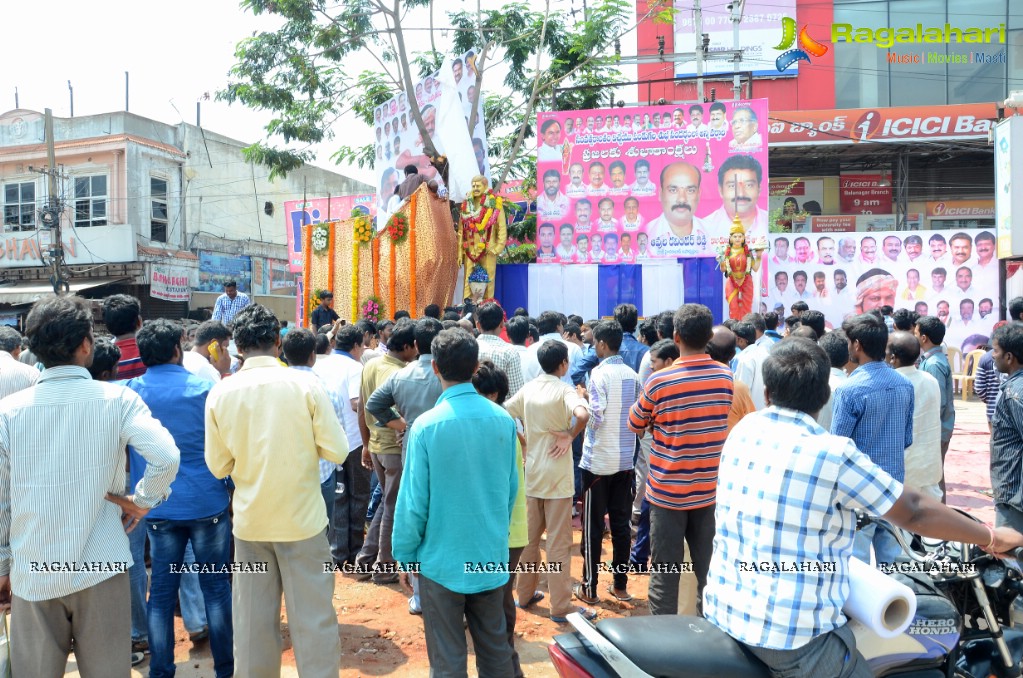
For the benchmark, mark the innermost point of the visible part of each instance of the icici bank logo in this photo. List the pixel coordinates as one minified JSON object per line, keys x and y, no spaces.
{"x":939,"y":209}
{"x":788,"y":38}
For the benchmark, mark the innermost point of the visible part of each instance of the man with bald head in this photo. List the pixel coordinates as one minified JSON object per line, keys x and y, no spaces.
{"x":722,"y":349}
{"x":923,"y":456}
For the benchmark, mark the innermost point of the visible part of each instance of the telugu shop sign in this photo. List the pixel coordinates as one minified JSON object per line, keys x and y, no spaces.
{"x":885,"y":125}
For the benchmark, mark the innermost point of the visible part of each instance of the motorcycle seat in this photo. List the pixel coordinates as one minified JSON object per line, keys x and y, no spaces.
{"x":673,"y":646}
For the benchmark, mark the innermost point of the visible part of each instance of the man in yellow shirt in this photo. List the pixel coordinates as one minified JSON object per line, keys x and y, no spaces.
{"x":268,"y":427}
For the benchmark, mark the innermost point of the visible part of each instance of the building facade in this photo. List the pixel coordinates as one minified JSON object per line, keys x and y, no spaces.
{"x":147,"y":208}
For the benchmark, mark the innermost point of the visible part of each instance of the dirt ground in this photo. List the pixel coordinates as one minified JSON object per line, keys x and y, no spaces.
{"x":379,"y":637}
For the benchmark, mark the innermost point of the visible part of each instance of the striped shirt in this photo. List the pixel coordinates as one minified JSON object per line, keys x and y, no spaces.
{"x":338,"y":401}
{"x":504,"y":357}
{"x":1007,"y":443}
{"x":986,"y":384}
{"x":227,"y":308}
{"x":688,"y":405}
{"x":786,"y":496}
{"x":15,"y":376}
{"x":130,"y":365}
{"x":609,"y":445}
{"x":61,"y":450}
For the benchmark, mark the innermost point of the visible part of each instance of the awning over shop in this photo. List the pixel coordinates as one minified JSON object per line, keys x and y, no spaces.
{"x":16,"y":295}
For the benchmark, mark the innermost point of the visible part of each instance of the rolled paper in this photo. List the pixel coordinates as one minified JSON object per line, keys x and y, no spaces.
{"x":878,"y":601}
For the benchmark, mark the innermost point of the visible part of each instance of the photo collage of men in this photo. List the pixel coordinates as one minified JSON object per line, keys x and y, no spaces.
{"x":397,"y":142}
{"x":621,"y":185}
{"x":949,"y":274}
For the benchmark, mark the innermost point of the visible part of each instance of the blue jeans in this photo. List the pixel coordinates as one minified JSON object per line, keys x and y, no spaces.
{"x":376,"y":494}
{"x":641,"y":548}
{"x":192,"y":610}
{"x":211,"y":539}
{"x":886,"y":548}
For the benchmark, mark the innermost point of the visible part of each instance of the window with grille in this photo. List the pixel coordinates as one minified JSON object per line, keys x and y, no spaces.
{"x":91,"y":201}
{"x":20,"y":206}
{"x":158,"y":212}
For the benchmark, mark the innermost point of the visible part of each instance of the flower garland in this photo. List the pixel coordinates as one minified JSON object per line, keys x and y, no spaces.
{"x":372,"y":309}
{"x":391,"y":275}
{"x":362,"y":229}
{"x":320,"y":238}
{"x":728,"y":260}
{"x":307,"y":271}
{"x":331,"y":250}
{"x":398,"y":228}
{"x":413,"y":202}
{"x":477,"y":225}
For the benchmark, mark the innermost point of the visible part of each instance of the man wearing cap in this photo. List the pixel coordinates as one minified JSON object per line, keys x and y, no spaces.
{"x":874,"y":289}
{"x":229,"y":303}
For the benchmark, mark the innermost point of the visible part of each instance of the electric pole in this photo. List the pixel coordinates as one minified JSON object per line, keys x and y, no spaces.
{"x":50,"y":216}
{"x":700,"y":47}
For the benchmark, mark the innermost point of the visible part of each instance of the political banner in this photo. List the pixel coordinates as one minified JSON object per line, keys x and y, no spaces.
{"x":949,"y":274}
{"x":170,"y":283}
{"x":622,"y":185}
{"x":216,"y":269}
{"x":444,"y":100}
{"x":762,"y":32}
{"x":299,"y":213}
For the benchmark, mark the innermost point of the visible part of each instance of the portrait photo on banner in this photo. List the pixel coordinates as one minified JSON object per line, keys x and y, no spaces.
{"x":621,"y":185}
{"x":397,"y":141}
{"x":949,"y":274}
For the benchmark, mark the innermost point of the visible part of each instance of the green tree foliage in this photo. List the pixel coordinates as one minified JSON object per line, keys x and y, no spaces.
{"x":299,"y":72}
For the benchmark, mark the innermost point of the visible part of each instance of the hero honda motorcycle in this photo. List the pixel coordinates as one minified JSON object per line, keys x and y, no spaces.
{"x":968,"y":624}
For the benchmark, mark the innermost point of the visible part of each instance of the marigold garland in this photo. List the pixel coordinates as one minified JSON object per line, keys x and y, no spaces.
{"x":331,"y":231}
{"x":479,"y":223}
{"x":412,"y":250}
{"x":307,"y":271}
{"x":362,"y":230}
{"x":355,"y":282}
{"x":375,"y":244}
{"x":391,"y":276}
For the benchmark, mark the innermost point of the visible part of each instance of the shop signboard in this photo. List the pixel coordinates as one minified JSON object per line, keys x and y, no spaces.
{"x":885,"y":125}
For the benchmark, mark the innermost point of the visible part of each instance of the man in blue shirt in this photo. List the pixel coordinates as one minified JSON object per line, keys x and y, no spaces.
{"x":460,"y":479}
{"x":874,"y":407}
{"x":196,"y":510}
{"x":631,"y":352}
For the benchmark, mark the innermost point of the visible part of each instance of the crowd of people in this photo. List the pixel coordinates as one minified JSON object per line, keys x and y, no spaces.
{"x":438,"y":453}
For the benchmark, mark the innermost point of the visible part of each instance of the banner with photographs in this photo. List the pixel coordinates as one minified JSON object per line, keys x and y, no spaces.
{"x":949,"y":274}
{"x":621,"y":185}
{"x":397,"y":142}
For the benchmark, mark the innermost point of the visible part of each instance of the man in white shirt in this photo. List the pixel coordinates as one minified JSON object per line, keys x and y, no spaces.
{"x":985,"y":266}
{"x":962,"y":248}
{"x":583,"y":214}
{"x":549,"y":324}
{"x":939,"y":249}
{"x":678,"y":231}
{"x":718,"y":117}
{"x":745,"y":136}
{"x":781,"y":251}
{"x":606,"y":222}
{"x":748,"y":369}
{"x":837,"y":348}
{"x":891,"y":249}
{"x":597,"y":186}
{"x":826,"y":251}
{"x":643,"y":186}
{"x":566,"y":250}
{"x":847,"y":250}
{"x":618,"y":185}
{"x":938,"y":291}
{"x":696,"y":123}
{"x":77,"y":517}
{"x":550,"y":146}
{"x":923,"y":457}
{"x":739,"y":179}
{"x":209,"y":357}
{"x":781,"y":292}
{"x":631,"y":221}
{"x":552,"y":203}
{"x":964,"y":284}
{"x":14,"y":376}
{"x":576,"y":188}
{"x":799,"y":283}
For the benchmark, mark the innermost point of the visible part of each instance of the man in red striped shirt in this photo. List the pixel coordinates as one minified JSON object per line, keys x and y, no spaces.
{"x":686,"y":406}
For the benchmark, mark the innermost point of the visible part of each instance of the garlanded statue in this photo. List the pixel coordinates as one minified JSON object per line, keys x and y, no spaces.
{"x":483,"y":231}
{"x":738,"y":262}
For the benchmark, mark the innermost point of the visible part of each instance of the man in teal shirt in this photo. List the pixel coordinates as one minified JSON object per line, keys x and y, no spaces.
{"x":464,"y":437}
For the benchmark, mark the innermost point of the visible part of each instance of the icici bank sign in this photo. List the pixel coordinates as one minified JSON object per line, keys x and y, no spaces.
{"x":845,"y":126}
